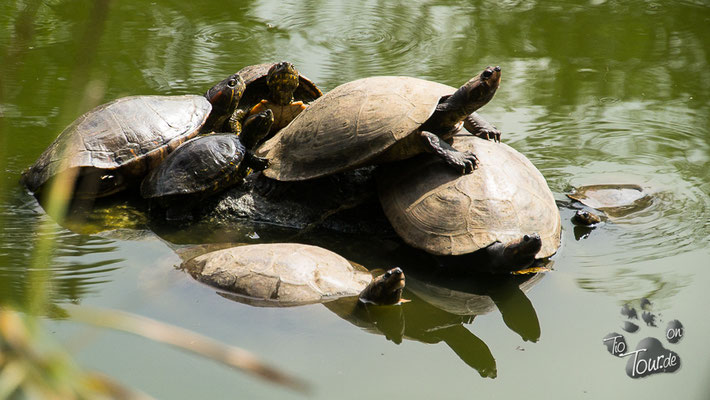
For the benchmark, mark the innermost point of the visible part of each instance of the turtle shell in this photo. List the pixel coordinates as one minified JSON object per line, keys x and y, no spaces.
{"x":444,"y":213}
{"x":616,"y":200}
{"x":280,"y":274}
{"x":351,"y":125}
{"x":255,"y":78}
{"x":116,"y":143}
{"x":202,"y":165}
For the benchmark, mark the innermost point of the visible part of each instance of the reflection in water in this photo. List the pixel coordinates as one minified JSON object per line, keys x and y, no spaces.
{"x":437,"y":309}
{"x":440,"y":306}
{"x":79,"y":262}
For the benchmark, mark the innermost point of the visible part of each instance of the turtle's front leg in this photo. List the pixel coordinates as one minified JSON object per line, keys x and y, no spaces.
{"x":475,"y":124}
{"x":236,"y":121}
{"x":462,"y":161}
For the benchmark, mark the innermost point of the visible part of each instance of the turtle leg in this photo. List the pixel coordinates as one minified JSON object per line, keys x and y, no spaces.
{"x":475,"y":124}
{"x":464,"y":162}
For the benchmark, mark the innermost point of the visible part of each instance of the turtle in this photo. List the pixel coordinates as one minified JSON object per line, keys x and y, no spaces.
{"x":113,"y":146}
{"x":586,"y":218}
{"x":290,"y":274}
{"x":379,"y":119}
{"x":204,"y":166}
{"x":614,"y":200}
{"x":275,"y":86}
{"x":505,"y":209}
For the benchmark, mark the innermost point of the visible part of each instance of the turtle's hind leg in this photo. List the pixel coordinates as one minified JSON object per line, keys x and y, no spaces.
{"x":462,"y":161}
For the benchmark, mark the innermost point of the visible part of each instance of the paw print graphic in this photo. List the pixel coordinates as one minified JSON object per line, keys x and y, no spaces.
{"x":649,"y":357}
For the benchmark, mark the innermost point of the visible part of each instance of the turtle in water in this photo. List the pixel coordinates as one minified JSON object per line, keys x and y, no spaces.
{"x":290,"y":274}
{"x":204,"y":166}
{"x":379,"y":119}
{"x":505,"y":209}
{"x":114,"y":145}
{"x":613,"y":200}
{"x":586,"y":218}
{"x":277,"y":87}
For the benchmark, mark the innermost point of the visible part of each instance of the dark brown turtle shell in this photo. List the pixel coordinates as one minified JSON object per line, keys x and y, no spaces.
{"x":444,"y":213}
{"x":114,"y":145}
{"x":256,"y":90}
{"x":200,"y":167}
{"x":120,"y":141}
{"x":350,"y":126}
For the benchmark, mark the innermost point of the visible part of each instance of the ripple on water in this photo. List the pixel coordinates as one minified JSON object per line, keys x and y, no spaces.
{"x":79,"y":261}
{"x":656,"y":146}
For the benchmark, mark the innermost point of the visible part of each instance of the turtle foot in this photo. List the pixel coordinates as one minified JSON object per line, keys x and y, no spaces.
{"x":465,"y":162}
{"x":489,"y":134}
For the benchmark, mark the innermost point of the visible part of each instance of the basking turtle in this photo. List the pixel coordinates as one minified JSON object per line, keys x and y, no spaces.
{"x":114,"y":145}
{"x":614,"y":200}
{"x":379,"y":119}
{"x":204,"y":166}
{"x":289,"y":274}
{"x":278,"y":87}
{"x":505,"y":207}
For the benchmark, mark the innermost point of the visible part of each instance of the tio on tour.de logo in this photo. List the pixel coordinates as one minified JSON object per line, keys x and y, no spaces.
{"x":649,"y":357}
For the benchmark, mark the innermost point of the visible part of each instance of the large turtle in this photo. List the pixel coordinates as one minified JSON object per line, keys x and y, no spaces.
{"x":289,"y":274}
{"x":277,"y":87}
{"x":380,"y":119}
{"x":114,"y":145}
{"x":204,"y":166}
{"x":505,"y":207}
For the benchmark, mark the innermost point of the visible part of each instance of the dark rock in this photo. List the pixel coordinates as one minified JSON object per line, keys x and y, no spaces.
{"x":345,"y":202}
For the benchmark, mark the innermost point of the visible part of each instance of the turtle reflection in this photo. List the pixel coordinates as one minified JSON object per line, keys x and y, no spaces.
{"x":438,"y":308}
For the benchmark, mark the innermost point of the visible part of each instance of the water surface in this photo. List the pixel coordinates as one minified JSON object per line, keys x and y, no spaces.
{"x":593,"y":92}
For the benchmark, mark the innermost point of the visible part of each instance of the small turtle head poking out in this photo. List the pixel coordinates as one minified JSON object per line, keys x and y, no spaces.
{"x":385,"y":289}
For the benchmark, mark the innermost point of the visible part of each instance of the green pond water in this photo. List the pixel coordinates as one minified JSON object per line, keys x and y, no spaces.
{"x":593,"y":92}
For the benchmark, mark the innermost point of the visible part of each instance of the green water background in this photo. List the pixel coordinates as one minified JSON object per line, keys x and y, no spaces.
{"x":592,"y":92}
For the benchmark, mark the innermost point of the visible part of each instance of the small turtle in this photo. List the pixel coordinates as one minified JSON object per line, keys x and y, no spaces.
{"x":505,"y":207}
{"x":278,"y":87}
{"x":114,"y":145}
{"x":586,"y":218}
{"x":379,"y":119}
{"x":613,"y":200}
{"x":204,"y":166}
{"x":289,"y":274}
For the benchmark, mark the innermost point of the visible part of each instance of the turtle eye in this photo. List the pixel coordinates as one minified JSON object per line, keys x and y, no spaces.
{"x":487,"y":74}
{"x":388,"y":274}
{"x":232,"y":82}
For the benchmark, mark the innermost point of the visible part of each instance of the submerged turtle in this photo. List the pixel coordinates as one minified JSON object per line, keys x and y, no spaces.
{"x":614,"y":200}
{"x":204,"y":166}
{"x":505,"y":207}
{"x":380,"y":119}
{"x":586,"y":218}
{"x":277,"y":87}
{"x":289,"y":274}
{"x":114,"y":145}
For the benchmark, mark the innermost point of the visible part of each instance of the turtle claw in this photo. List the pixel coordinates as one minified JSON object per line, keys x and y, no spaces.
{"x":465,"y":162}
{"x":490,"y":134}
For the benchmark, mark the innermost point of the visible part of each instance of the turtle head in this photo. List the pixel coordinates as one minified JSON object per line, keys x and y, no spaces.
{"x":256,"y":127}
{"x":585,"y":218}
{"x":385,"y":289}
{"x":475,"y":93}
{"x":224,"y":97}
{"x":521,"y":253}
{"x":282,"y":80}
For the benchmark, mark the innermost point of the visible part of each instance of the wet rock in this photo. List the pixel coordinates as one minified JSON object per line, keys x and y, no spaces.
{"x":345,"y":202}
